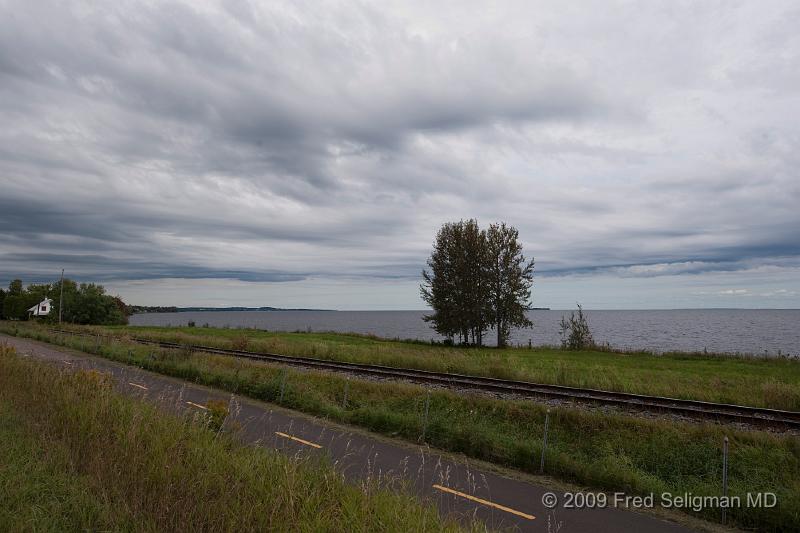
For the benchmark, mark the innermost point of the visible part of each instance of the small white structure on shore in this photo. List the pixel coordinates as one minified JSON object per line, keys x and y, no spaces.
{"x":42,"y":308}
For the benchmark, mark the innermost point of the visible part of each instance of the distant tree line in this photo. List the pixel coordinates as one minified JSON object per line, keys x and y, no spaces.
{"x":137,"y":309}
{"x":85,"y":303}
{"x":477,"y":280}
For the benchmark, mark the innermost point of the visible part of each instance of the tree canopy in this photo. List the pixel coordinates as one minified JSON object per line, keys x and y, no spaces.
{"x":17,"y":300}
{"x":509,"y":278}
{"x":85,"y":303}
{"x":477,"y":279}
{"x":455,"y":285}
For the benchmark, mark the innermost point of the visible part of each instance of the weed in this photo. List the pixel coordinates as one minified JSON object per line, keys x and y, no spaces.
{"x":240,"y":342}
{"x":218,"y":412}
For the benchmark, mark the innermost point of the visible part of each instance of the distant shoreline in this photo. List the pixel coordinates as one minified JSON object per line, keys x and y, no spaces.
{"x":143,"y":310}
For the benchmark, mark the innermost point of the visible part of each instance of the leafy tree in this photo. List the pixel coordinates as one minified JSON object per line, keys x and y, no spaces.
{"x":87,"y":303}
{"x":82,"y":304}
{"x":96,"y":307}
{"x":70,"y":302}
{"x":472,"y":281}
{"x":477,"y":279}
{"x":15,"y":287}
{"x":18,"y":300}
{"x":15,"y":303}
{"x":454,"y":286}
{"x":35,"y":293}
{"x":509,"y":279}
{"x":2,"y":300}
{"x":439,"y":286}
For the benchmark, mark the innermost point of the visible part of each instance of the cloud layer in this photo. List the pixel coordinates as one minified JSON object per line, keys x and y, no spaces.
{"x":290,"y":142}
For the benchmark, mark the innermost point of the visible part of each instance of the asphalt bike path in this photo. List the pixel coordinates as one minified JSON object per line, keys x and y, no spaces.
{"x":457,"y":486}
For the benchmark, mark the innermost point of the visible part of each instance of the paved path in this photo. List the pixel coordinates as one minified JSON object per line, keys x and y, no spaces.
{"x":454,"y":485}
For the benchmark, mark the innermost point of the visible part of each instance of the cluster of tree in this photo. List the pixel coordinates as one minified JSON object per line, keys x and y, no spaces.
{"x":477,"y":279}
{"x":86,"y":303}
{"x":17,"y":299}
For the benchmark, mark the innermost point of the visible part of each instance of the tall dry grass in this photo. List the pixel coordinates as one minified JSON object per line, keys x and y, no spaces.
{"x":105,"y":462}
{"x":762,"y":382}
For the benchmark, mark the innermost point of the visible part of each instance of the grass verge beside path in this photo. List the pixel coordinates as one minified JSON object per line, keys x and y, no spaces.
{"x":603,"y":451}
{"x":758,"y":381}
{"x":75,"y":455}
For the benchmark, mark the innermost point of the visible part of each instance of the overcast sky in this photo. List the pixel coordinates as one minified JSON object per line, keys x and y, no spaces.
{"x":304,"y":154}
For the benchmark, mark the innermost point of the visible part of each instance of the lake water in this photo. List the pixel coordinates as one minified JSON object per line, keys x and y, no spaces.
{"x":716,"y":330}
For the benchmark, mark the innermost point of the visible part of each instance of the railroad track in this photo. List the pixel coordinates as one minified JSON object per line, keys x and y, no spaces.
{"x":691,"y":408}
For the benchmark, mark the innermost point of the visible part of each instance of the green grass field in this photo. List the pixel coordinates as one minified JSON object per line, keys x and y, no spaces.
{"x":604,"y":451}
{"x":760,"y":382}
{"x":75,"y":456}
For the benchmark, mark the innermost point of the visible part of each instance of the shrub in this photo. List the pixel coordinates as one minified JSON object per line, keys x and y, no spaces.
{"x":575,"y":332}
{"x":218,"y":412}
{"x":240,"y":342}
{"x":5,"y":349}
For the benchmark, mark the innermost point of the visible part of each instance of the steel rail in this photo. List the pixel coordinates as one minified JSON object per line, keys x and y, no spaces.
{"x":692,"y":408}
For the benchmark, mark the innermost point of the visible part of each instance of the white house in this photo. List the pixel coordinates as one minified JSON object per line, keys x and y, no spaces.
{"x":42,"y":308}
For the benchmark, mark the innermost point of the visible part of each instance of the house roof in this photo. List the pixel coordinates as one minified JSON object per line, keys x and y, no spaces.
{"x":35,"y":308}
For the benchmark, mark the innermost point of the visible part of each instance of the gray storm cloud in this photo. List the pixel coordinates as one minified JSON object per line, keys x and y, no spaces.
{"x":279,"y":142}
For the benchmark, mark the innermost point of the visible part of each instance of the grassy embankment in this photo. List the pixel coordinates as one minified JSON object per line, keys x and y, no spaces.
{"x":76,"y":456}
{"x":757,"y":381}
{"x":606,"y":451}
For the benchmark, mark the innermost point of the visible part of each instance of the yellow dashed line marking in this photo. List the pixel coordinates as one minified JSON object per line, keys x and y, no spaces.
{"x":484,"y":502}
{"x":137,"y":385}
{"x":301,"y":441}
{"x":198,"y":405}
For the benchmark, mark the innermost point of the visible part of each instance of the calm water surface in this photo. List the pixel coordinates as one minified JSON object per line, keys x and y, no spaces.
{"x":716,"y":330}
